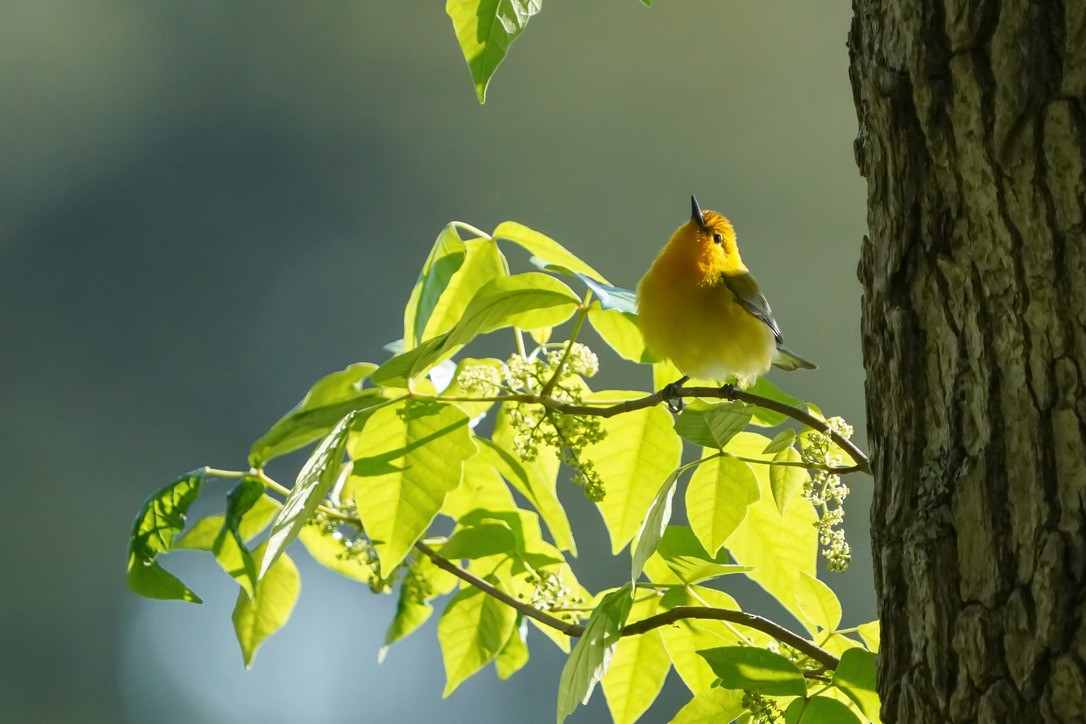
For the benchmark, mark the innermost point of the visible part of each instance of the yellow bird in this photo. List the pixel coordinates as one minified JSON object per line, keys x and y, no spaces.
{"x":699,"y":306}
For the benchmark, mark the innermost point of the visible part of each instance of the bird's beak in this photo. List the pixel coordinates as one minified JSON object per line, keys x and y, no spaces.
{"x":695,"y":213}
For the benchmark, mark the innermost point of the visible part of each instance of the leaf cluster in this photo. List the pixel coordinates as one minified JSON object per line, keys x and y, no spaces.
{"x":431,"y":439}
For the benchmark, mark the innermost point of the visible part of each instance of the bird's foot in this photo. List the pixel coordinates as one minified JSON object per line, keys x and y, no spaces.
{"x":673,"y":394}
{"x":727,"y":392}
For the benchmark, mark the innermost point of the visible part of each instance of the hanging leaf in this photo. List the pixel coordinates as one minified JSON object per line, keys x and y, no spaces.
{"x":485,"y":30}
{"x":160,"y":519}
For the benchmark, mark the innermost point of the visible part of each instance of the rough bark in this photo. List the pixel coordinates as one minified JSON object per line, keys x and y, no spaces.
{"x":973,"y":142}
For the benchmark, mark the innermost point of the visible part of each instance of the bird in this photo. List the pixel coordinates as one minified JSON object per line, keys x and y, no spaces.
{"x":699,"y":306}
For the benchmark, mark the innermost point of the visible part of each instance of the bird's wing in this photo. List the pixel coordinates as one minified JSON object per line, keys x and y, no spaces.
{"x":746,"y":293}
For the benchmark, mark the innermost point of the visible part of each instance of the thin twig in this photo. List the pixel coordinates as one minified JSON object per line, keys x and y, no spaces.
{"x":486,"y":587}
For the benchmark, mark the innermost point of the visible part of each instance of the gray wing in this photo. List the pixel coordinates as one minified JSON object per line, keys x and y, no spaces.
{"x":746,"y":293}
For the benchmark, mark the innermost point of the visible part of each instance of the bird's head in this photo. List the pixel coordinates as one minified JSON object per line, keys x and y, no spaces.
{"x":712,"y":240}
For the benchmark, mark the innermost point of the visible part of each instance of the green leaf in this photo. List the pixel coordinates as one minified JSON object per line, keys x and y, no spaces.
{"x":448,"y":282}
{"x":535,"y":480}
{"x":755,"y":669}
{"x":406,"y":459}
{"x":819,"y":710}
{"x":779,"y":548}
{"x":855,"y":676}
{"x":201,"y":537}
{"x":769,"y":418}
{"x":680,"y":558}
{"x":712,"y":425}
{"x":783,"y":439}
{"x":545,"y":248}
{"x":620,"y":331}
{"x":786,"y":480}
{"x":870,"y":632}
{"x":485,"y":30}
{"x":656,"y":520}
{"x":487,"y":538}
{"x":591,"y":657}
{"x":528,"y":301}
{"x":482,"y":488}
{"x":446,"y":257}
{"x":715,"y":706}
{"x":270,"y":607}
{"x":229,"y":545}
{"x":314,"y":481}
{"x":326,"y":403}
{"x":411,"y":613}
{"x":472,"y":631}
{"x":687,"y":636}
{"x":638,"y":668}
{"x":161,"y":517}
{"x":514,"y":655}
{"x":329,"y":551}
{"x":717,"y":498}
{"x":638,"y":453}
{"x":818,"y":604}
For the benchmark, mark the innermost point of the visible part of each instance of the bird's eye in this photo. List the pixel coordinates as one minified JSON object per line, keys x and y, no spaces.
{"x":718,"y":237}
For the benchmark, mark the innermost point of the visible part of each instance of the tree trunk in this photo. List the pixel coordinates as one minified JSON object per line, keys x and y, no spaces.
{"x":973,"y":142}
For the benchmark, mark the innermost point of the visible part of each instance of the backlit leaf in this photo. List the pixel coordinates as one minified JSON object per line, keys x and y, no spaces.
{"x":819,"y":710}
{"x":161,"y":517}
{"x":620,"y":331}
{"x":714,"y":706}
{"x":472,"y":631}
{"x":638,"y":454}
{"x":514,"y":655}
{"x":786,"y":480}
{"x":545,"y":248}
{"x":485,"y":30}
{"x":314,"y":481}
{"x":270,"y":607}
{"x":406,"y":459}
{"x":326,"y":403}
{"x":592,"y":655}
{"x":754,"y":669}
{"x":717,"y":498}
{"x":855,"y":676}
{"x":680,"y":558}
{"x":817,"y":604}
{"x":445,"y":259}
{"x":638,"y":669}
{"x":712,"y":424}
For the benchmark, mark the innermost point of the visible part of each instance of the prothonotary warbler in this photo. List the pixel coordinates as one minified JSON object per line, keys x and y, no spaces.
{"x":699,"y":306}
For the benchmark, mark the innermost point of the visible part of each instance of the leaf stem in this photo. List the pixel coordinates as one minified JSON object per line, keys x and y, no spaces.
{"x":582,"y":314}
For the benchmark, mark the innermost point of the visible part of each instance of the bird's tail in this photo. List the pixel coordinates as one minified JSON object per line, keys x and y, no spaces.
{"x":786,"y":359}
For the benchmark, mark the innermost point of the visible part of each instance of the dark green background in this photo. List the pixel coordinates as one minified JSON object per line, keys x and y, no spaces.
{"x":204,"y":206}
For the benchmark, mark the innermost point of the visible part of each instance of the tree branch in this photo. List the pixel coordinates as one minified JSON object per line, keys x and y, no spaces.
{"x":749,"y":620}
{"x":573,"y":630}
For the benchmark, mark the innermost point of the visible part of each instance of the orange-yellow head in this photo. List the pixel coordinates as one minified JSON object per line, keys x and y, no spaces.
{"x":705,"y":246}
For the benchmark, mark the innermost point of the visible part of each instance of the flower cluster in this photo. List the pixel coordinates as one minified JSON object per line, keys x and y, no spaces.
{"x":762,"y":710}
{"x":354,"y":545}
{"x":561,"y":369}
{"x":550,"y":593}
{"x":827,"y":492}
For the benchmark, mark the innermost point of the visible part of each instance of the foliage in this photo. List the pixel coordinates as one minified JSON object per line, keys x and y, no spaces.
{"x":477,"y":447}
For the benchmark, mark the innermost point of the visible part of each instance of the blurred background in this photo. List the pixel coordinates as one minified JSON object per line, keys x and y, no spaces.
{"x":206,"y":206}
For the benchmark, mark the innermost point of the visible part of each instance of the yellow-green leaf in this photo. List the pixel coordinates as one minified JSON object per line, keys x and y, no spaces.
{"x":448,"y":282}
{"x":514,"y":655}
{"x":638,"y":669}
{"x":687,"y":636}
{"x":855,"y":676}
{"x":591,"y":656}
{"x":637,"y":456}
{"x":749,"y":668}
{"x":314,"y":481}
{"x":472,"y":631}
{"x":545,"y":248}
{"x":680,"y":558}
{"x":535,"y":480}
{"x":406,"y":460}
{"x":712,"y":424}
{"x":620,"y":331}
{"x":485,"y":30}
{"x":786,"y":480}
{"x":714,"y":706}
{"x":201,"y":537}
{"x":330,"y":399}
{"x":779,"y":548}
{"x":817,"y":604}
{"x":819,"y":710}
{"x":330,"y":552}
{"x":270,"y":607}
{"x":481,"y":489}
{"x":871,"y":634}
{"x":717,"y":498}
